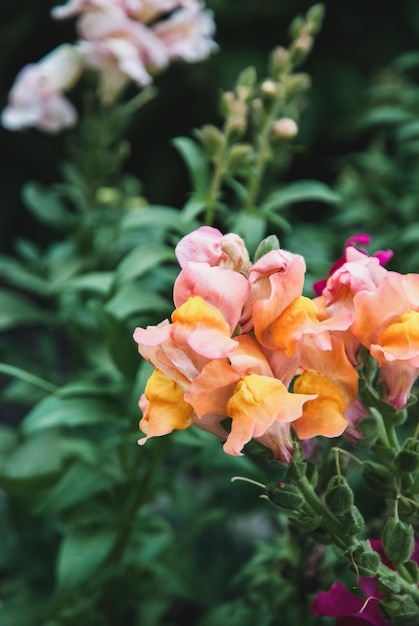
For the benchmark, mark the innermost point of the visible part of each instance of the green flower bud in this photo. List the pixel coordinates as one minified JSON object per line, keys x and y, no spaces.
{"x":315,"y":17}
{"x":408,"y":461}
{"x":379,"y":478}
{"x":212,"y":140}
{"x":307,"y":523}
{"x":352,"y":520}
{"x":339,"y":496}
{"x":287,"y":496}
{"x":279,"y":61}
{"x":240,"y":154}
{"x":401,"y":610}
{"x":365,"y":560}
{"x":398,"y":541}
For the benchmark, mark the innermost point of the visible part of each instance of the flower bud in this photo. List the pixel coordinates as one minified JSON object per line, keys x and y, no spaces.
{"x":352,"y":520}
{"x":398,"y":541}
{"x":300,"y":48}
{"x":280,"y":60}
{"x":285,"y":128}
{"x":212,"y":140}
{"x":408,"y":461}
{"x":240,"y":154}
{"x":379,"y":478}
{"x":339,"y":496}
{"x":287,"y":497}
{"x":315,"y":17}
{"x":400,"y":610}
{"x":366,"y":561}
{"x":269,"y":88}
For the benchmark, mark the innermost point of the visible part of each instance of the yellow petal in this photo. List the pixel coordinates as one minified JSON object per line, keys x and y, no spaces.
{"x":287,"y":328}
{"x":324,"y":414}
{"x":401,"y":337}
{"x":196,"y":312}
{"x":165,"y":407}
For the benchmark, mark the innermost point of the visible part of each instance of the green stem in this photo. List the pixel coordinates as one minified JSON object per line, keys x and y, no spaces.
{"x":216,"y":183}
{"x":256,"y":178}
{"x":16,"y":372}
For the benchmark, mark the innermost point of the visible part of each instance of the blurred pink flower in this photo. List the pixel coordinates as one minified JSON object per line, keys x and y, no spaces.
{"x":383,"y":257}
{"x":37,"y":96}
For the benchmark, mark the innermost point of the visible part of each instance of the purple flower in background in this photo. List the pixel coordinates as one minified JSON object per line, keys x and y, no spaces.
{"x":350,"y":609}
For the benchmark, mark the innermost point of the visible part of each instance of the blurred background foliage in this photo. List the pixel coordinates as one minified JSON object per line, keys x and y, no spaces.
{"x":96,"y":530}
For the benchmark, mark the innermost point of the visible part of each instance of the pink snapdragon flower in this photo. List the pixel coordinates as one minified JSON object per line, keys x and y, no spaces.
{"x":387,"y":323}
{"x":37,"y":96}
{"x":364,"y":239}
{"x":132,"y":40}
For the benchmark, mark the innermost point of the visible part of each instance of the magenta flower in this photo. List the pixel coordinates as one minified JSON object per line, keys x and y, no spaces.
{"x":350,"y":609}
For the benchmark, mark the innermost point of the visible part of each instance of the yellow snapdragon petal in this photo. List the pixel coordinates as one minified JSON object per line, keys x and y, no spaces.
{"x":324,"y":414}
{"x":166,"y":408}
{"x":196,"y":312}
{"x":287,"y":327}
{"x":401,"y":337}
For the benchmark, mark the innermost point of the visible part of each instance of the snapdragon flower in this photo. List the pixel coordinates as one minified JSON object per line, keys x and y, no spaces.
{"x":37,"y":97}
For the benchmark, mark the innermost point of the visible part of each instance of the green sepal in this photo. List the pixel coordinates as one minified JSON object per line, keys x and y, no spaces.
{"x":352,"y":520}
{"x":401,"y":610}
{"x":339,"y":496}
{"x":398,"y":540}
{"x":287,"y":497}
{"x":408,"y":461}
{"x":267,"y":245}
{"x":369,"y":430}
{"x":365,"y":561}
{"x":413,"y":569}
{"x":307,"y":523}
{"x":379,"y":478}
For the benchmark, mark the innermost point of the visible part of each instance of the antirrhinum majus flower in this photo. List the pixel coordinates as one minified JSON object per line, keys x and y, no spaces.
{"x":37,"y":97}
{"x":132,"y":40}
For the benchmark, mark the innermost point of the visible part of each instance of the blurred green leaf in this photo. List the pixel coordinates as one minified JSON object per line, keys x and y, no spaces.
{"x":196,"y":163}
{"x":133,"y":298}
{"x":46,"y":205}
{"x":118,"y":338}
{"x":33,"y":463}
{"x":98,"y":282}
{"x":156,"y":216}
{"x":17,"y":310}
{"x":81,"y":554}
{"x":79,"y":483}
{"x":16,"y":274}
{"x":55,"y":411}
{"x":141,"y":260}
{"x":300,"y":191}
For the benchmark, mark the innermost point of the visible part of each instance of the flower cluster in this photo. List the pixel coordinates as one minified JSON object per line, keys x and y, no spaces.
{"x":248,"y":356}
{"x":124,"y":40}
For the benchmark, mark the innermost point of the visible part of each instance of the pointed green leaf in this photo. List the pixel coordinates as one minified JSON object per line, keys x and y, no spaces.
{"x":141,"y":260}
{"x":196,"y":162}
{"x":134,"y":298}
{"x":300,"y":191}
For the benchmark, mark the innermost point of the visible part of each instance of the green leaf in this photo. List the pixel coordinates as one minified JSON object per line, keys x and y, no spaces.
{"x":193,"y":207}
{"x":47,"y":205}
{"x":119,"y":340}
{"x":79,"y":483}
{"x":300,"y":191}
{"x":16,"y":274}
{"x":16,"y":310}
{"x":156,"y":216}
{"x":33,"y":463}
{"x":383,"y":115}
{"x":196,"y":162}
{"x":55,"y":411}
{"x":141,"y":260}
{"x":81,"y":554}
{"x":134,"y":298}
{"x":97,"y":282}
